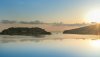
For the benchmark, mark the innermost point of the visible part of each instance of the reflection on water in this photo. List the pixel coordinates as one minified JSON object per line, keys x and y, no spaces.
{"x":8,"y":38}
{"x":56,"y":45}
{"x":95,"y":43}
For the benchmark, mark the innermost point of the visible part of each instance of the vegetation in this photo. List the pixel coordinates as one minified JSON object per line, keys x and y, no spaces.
{"x":24,"y":31}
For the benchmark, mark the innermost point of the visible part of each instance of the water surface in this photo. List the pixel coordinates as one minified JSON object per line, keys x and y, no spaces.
{"x":56,"y":45}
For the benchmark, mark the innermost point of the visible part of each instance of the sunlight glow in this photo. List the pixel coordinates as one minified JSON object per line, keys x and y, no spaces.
{"x":95,"y":43}
{"x":93,"y":16}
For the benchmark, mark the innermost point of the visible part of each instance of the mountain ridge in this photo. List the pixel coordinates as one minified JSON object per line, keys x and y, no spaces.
{"x":90,"y":29}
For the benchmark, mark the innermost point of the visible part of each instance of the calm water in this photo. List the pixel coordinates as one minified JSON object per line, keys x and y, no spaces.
{"x":56,"y":45}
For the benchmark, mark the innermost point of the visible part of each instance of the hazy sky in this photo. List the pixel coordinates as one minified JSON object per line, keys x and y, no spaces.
{"x":67,"y":11}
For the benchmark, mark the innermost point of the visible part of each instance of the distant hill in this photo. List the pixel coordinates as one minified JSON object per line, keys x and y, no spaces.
{"x":24,"y":31}
{"x":91,"y":29}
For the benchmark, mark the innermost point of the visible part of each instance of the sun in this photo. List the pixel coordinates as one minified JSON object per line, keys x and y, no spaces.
{"x":93,"y":16}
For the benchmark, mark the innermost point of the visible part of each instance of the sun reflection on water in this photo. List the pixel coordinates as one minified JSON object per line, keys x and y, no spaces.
{"x":95,"y":43}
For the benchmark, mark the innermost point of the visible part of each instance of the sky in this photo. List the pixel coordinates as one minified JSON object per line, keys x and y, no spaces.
{"x":66,"y":11}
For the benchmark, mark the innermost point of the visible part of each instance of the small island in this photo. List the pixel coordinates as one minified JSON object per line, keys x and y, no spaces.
{"x":91,"y":29}
{"x":25,"y":31}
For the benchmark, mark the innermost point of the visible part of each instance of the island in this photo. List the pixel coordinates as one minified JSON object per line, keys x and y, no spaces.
{"x":25,"y":31}
{"x":90,"y":29}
